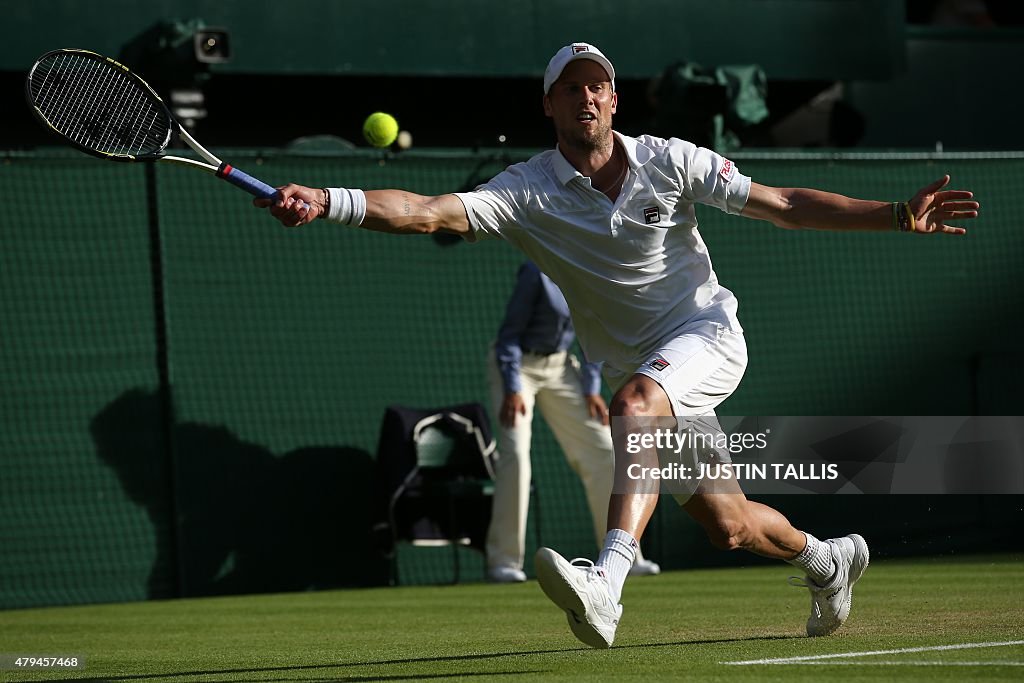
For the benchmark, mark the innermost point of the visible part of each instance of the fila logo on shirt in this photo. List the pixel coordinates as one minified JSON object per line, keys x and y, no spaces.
{"x":659,"y":364}
{"x":652,"y":215}
{"x":728,"y":171}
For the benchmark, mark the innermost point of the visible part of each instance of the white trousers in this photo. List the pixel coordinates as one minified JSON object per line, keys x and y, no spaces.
{"x":553,"y":385}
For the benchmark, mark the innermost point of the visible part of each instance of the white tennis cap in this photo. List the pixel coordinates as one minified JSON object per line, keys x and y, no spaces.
{"x":573,"y":52}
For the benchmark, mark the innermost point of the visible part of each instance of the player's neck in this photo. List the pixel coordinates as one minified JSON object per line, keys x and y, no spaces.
{"x":606,"y":168}
{"x":591,"y":160}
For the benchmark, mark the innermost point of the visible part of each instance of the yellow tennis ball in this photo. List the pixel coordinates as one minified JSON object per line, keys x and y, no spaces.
{"x":380,"y":129}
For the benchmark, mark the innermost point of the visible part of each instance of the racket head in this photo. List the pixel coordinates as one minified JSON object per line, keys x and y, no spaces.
{"x":98,"y":105}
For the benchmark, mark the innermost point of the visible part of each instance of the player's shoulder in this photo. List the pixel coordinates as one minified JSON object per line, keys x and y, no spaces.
{"x":675,"y":155}
{"x":667,"y":148}
{"x":667,"y":157}
{"x":540,"y":165}
{"x":523,"y":181}
{"x":525,"y":174}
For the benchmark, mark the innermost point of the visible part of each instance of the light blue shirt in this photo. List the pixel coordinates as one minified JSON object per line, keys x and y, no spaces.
{"x":537,"y":321}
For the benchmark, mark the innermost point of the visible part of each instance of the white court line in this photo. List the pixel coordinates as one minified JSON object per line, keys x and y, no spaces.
{"x":870,"y":653}
{"x":905,"y":663}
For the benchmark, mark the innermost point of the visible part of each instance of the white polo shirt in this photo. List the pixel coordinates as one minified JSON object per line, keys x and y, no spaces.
{"x":634,"y":273}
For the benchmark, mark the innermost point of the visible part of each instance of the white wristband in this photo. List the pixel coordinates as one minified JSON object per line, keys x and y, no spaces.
{"x":347,"y":206}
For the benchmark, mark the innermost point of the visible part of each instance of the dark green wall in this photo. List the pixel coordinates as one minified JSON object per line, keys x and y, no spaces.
{"x":800,"y":39}
{"x":959,"y":88}
{"x":283,"y":348}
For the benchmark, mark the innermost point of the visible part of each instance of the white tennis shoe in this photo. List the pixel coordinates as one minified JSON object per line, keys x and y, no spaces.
{"x":581,"y":589}
{"x":830,"y":604}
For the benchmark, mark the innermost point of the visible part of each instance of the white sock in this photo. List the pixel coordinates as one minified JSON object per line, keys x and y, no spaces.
{"x":816,"y":560}
{"x":616,"y":558}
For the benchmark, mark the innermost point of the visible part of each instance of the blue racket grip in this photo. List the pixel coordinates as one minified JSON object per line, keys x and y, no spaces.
{"x":253,"y":186}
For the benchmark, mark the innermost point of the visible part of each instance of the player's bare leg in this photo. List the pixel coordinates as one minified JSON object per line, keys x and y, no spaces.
{"x":631,"y":510}
{"x":636,"y":406}
{"x":831,"y":567}
{"x":733,"y":522}
{"x":589,"y":593}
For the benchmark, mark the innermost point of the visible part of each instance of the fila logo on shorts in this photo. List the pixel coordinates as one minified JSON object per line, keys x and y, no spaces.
{"x":652,"y":215}
{"x":659,"y":364}
{"x":728,"y":171}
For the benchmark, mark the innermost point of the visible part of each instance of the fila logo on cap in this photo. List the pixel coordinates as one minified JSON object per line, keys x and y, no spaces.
{"x":571,"y":52}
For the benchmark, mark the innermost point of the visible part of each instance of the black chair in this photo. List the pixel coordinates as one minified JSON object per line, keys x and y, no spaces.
{"x":435,"y":480}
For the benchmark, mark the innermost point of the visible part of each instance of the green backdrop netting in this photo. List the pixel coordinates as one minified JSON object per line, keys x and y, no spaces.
{"x":285,"y":346}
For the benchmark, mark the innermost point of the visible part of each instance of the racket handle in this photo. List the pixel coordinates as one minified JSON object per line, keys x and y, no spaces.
{"x":253,"y":186}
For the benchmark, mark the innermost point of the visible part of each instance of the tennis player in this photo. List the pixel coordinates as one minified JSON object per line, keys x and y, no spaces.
{"x":611,"y":220}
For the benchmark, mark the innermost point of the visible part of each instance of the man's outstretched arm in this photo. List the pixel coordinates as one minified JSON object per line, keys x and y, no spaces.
{"x":929,"y":211}
{"x":394,"y":211}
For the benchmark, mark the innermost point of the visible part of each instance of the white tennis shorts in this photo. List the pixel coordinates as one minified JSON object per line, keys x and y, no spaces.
{"x":697,"y":369}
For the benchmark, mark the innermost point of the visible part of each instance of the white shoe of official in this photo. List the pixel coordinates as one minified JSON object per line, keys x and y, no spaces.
{"x":644,"y":568}
{"x":506,"y":575}
{"x":830,"y":603}
{"x":581,"y":589}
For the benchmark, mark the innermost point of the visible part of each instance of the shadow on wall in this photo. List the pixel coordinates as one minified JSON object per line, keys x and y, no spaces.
{"x":235,"y":517}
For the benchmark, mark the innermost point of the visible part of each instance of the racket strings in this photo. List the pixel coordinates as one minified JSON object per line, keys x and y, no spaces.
{"x":119,"y":128}
{"x":73,"y":109}
{"x":87,"y":116}
{"x":98,"y":106}
{"x":110,"y":127}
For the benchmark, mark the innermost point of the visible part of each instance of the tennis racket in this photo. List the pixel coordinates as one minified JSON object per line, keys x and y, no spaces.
{"x":99,"y":106}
